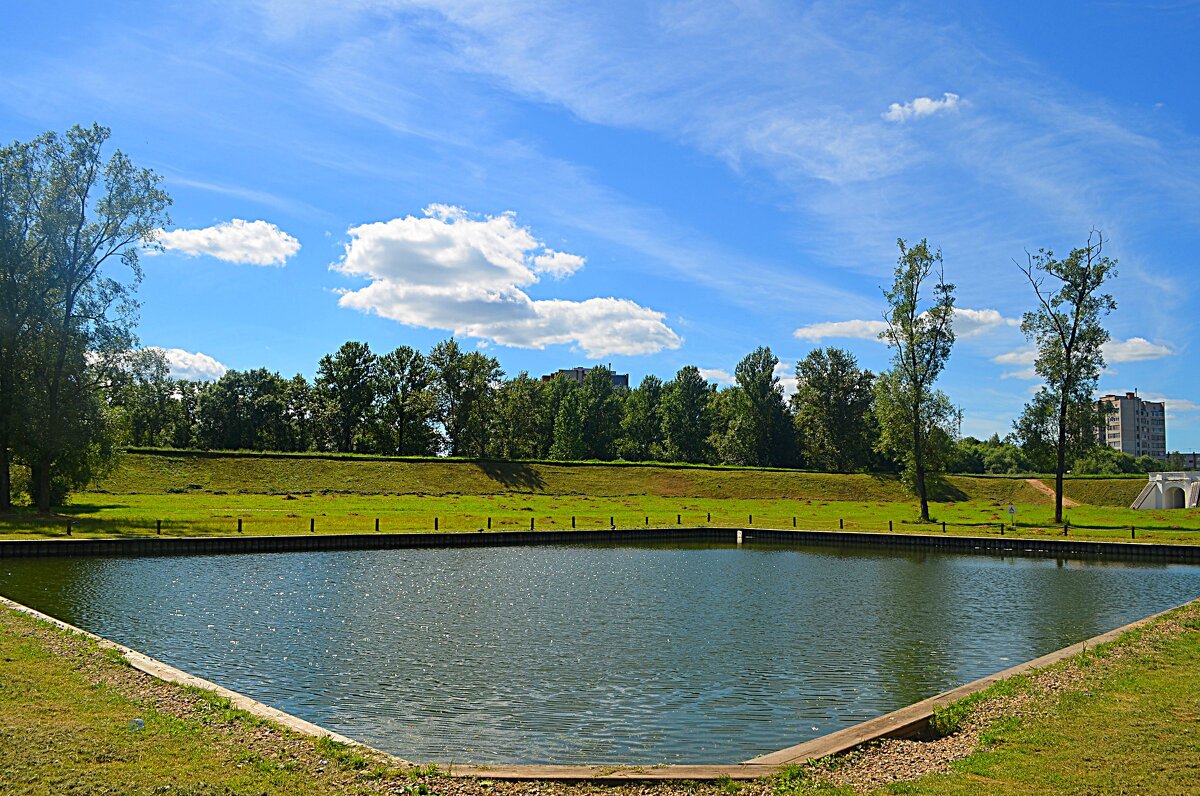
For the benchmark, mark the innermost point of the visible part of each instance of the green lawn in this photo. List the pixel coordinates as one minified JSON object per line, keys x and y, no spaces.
{"x":208,"y":494}
{"x":1132,"y":727}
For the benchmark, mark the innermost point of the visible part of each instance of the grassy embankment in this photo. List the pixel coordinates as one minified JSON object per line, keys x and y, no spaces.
{"x":207,"y":494}
{"x":1123,"y":719}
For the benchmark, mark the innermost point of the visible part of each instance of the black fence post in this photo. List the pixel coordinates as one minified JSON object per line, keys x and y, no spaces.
{"x":793,"y":522}
{"x":709,"y":517}
{"x":679,"y":519}
{"x":435,"y":523}
{"x":376,"y":525}
{"x":312,"y":524}
{"x":1132,"y":532}
{"x":943,"y":526}
{"x":239,"y":524}
{"x":841,"y":524}
{"x":750,"y":520}
{"x":68,"y":529}
{"x":531,"y":523}
{"x":158,"y":527}
{"x":647,"y":520}
{"x":1001,"y":529}
{"x":889,"y":525}
{"x":489,"y":523}
{"x":612,"y":523}
{"x":572,"y":520}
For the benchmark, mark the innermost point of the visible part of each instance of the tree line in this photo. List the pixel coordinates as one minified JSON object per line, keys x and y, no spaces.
{"x":75,"y":387}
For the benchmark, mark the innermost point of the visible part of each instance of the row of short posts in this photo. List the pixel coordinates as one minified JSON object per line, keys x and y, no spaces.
{"x":312,"y":524}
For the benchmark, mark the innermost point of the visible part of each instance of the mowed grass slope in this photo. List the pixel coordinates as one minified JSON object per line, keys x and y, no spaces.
{"x":206,"y":494}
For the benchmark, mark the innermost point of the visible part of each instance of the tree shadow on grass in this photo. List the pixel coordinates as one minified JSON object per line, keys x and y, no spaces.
{"x":514,"y":475}
{"x":941,"y":490}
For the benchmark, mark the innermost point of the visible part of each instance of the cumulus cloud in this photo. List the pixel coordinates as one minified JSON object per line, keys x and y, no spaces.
{"x":716,"y":374}
{"x":451,"y":270}
{"x":967,"y":323}
{"x":1135,"y":349}
{"x":786,"y":373}
{"x":236,"y":241}
{"x":192,"y":366}
{"x":854,"y":330}
{"x":921,"y":106}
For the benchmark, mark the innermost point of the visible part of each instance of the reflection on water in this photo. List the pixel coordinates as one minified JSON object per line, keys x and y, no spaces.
{"x":606,"y":653}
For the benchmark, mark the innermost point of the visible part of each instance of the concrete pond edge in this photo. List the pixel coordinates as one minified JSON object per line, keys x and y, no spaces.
{"x":907,"y":722}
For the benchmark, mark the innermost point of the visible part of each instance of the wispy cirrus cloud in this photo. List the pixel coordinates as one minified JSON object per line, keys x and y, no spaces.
{"x":237,"y":241}
{"x":450,"y":270}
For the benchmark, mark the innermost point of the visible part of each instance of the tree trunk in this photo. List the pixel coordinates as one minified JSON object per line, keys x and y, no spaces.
{"x":1061,"y":467}
{"x":919,"y":468}
{"x":5,"y":476}
{"x":40,"y":484}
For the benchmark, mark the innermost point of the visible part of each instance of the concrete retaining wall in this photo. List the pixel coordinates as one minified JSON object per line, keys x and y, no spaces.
{"x":201,"y":545}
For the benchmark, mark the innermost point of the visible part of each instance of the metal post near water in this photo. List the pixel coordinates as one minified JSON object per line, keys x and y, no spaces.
{"x":709,"y":517}
{"x":750,"y":520}
{"x":572,"y":520}
{"x":312,"y":524}
{"x":841,"y":524}
{"x":376,"y":525}
{"x":239,"y":524}
{"x":1132,"y":532}
{"x":943,"y":526}
{"x":679,"y":519}
{"x":158,"y":527}
{"x":889,"y":525}
{"x":435,"y":523}
{"x":531,"y":523}
{"x":793,"y":522}
{"x":489,"y":523}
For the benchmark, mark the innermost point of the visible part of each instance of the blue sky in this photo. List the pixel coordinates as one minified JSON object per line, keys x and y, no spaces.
{"x":647,"y":186}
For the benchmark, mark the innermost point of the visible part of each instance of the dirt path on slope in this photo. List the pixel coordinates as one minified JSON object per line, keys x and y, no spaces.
{"x":1037,"y":484}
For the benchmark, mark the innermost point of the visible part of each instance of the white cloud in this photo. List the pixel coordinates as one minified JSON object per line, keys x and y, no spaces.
{"x":451,"y":270}
{"x":192,"y":366}
{"x":1135,"y":349}
{"x":921,"y":106}
{"x":716,"y":374}
{"x":786,"y":374}
{"x":1025,"y":374}
{"x":1022,"y":356}
{"x":974,"y":323}
{"x":855,"y":330}
{"x":967,"y":323}
{"x":236,"y":241}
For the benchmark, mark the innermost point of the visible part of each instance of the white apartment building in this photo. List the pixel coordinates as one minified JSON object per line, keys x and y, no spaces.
{"x":1134,"y":426}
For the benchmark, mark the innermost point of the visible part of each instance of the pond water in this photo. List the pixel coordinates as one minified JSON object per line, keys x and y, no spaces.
{"x":648,"y":653}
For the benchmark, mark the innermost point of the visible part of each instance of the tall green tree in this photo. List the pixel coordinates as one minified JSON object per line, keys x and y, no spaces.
{"x":76,"y":218}
{"x":346,"y":382}
{"x":939,"y":422}
{"x":1065,"y":327}
{"x":641,"y":425}
{"x":921,"y":335}
{"x":570,"y":427}
{"x":832,"y":409}
{"x":405,"y":405}
{"x":763,"y":426}
{"x":603,"y":407}
{"x":517,"y":418}
{"x":464,"y":385}
{"x":685,"y":416}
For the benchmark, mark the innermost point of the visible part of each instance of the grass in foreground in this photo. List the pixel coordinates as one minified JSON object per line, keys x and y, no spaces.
{"x":1130,"y":723}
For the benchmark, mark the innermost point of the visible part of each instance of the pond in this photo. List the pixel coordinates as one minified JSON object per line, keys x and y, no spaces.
{"x":634,"y":653}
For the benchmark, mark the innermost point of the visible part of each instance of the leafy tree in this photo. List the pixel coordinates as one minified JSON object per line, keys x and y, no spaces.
{"x":464,"y":386}
{"x":762,"y":418}
{"x":66,"y":317}
{"x":732,"y":435}
{"x":517,"y":418}
{"x":554,"y":393}
{"x":405,"y":404}
{"x":939,"y":420}
{"x":245,"y":410}
{"x":641,"y":425}
{"x":1066,"y":330}
{"x":832,"y":409}
{"x":346,"y":383}
{"x":1103,"y":460}
{"x":150,"y":401}
{"x":602,"y":411}
{"x":921,"y":340}
{"x":570,"y":427}
{"x":685,"y":416}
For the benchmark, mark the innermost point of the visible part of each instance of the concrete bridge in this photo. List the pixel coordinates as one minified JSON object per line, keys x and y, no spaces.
{"x":1170,"y":491}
